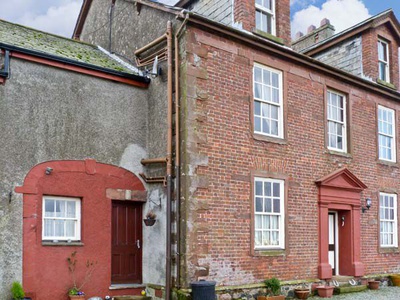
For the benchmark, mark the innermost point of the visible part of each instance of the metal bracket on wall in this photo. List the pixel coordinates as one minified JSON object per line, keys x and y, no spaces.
{"x":158,"y":179}
{"x":5,"y":66}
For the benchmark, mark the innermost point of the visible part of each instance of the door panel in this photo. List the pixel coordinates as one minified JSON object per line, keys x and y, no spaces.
{"x":126,"y":258}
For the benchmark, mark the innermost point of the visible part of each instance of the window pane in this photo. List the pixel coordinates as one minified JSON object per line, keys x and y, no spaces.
{"x":70,"y":209}
{"x":274,"y":127}
{"x":59,"y":228}
{"x":268,"y":205}
{"x":257,"y":222}
{"x":267,"y":93}
{"x":275,"y":80}
{"x":49,"y":208}
{"x":70,"y":228}
{"x":267,"y":189}
{"x":60,"y":209}
{"x":266,"y":222}
{"x":48,"y":227}
{"x":277,"y":207}
{"x":274,"y":222}
{"x":258,"y":238}
{"x":257,"y":124}
{"x":257,"y":90}
{"x":259,"y":188}
{"x":266,"y":77}
{"x":259,"y":204}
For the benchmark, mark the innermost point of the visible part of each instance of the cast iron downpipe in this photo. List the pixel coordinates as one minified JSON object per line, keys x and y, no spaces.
{"x":177,"y":155}
{"x":169,"y":166}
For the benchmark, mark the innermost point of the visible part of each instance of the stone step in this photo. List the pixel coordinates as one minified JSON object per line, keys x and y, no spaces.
{"x":349,"y":289}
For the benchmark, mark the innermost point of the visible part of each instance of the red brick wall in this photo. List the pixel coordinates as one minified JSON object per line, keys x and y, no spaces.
{"x":221,"y":154}
{"x":244,"y":12}
{"x":370,"y":53}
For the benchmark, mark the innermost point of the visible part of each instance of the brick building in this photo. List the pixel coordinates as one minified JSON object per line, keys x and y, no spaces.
{"x":278,"y":163}
{"x":279,"y":150}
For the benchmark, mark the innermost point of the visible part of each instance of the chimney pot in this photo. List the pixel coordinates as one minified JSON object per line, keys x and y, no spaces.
{"x":324,"y":22}
{"x":311,"y":28}
{"x":299,"y":35}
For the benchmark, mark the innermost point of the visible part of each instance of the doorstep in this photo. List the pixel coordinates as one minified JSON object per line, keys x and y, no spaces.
{"x":125,"y":286}
{"x":131,"y":298}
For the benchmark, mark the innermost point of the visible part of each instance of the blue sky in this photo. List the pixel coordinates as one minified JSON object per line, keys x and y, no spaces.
{"x":59,"y":16}
{"x":341,"y":13}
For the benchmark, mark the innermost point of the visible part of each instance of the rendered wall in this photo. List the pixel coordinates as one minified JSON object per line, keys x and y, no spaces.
{"x":51,"y":114}
{"x":131,"y":30}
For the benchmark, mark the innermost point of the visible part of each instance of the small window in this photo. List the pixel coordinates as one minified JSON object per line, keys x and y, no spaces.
{"x":269,"y":214}
{"x":61,"y":218}
{"x":386,"y":134}
{"x":265,"y":16}
{"x":388,"y":219}
{"x":383,"y":60}
{"x":268,"y":102}
{"x":336,"y":122}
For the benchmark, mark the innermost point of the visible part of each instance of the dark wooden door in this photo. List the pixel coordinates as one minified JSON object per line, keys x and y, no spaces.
{"x":126,"y":258}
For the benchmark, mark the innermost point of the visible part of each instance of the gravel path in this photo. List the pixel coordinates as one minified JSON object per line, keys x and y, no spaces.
{"x":384,"y":293}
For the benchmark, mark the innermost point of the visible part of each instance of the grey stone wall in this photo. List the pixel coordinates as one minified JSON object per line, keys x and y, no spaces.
{"x":346,"y":56}
{"x":52,"y":114}
{"x":217,"y":10}
{"x":131,"y":30}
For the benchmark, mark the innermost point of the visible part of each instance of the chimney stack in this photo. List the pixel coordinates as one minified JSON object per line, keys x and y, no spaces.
{"x":314,"y":35}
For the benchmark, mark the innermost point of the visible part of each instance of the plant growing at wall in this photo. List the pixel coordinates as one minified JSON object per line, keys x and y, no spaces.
{"x":273,"y":286}
{"x":76,"y":289}
{"x":17,"y":291}
{"x":150,"y":218}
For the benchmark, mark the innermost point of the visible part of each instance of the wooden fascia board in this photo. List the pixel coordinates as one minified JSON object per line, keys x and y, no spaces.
{"x":78,"y":69}
{"x":289,"y":54}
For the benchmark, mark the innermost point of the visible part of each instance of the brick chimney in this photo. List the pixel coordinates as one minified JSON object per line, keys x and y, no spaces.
{"x":314,"y":35}
{"x":245,"y":16}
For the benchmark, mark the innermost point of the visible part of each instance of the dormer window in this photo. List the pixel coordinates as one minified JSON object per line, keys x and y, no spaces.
{"x":383,"y":61}
{"x":265,"y":16}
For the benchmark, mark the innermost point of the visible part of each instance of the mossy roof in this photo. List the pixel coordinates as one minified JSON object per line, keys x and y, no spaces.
{"x":48,"y":44}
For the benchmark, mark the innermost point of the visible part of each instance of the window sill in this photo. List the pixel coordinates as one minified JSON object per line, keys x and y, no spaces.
{"x":269,"y":252}
{"x":387,"y":84}
{"x":389,"y":250}
{"x":62,"y":243}
{"x":268,"y":36}
{"x":270,"y":139}
{"x":338,"y":153}
{"x":387,"y":163}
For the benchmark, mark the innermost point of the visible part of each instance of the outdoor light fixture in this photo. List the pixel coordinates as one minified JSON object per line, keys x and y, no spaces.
{"x":368,"y":203}
{"x":48,"y":170}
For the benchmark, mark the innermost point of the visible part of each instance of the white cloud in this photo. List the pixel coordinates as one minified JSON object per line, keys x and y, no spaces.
{"x":341,"y":13}
{"x":55,"y":16}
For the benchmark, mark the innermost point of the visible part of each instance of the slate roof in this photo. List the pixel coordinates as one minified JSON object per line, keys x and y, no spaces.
{"x":383,"y":17}
{"x":20,"y":38}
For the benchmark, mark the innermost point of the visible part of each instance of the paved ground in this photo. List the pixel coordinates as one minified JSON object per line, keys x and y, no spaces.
{"x":384,"y":293}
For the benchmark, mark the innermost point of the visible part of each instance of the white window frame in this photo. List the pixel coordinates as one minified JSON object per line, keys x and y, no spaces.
{"x":383,"y":211}
{"x":331,"y":120}
{"x":77,"y":219}
{"x":381,"y":133}
{"x":281,"y":214}
{"x":268,"y":103}
{"x":270,"y":14}
{"x":381,"y":61}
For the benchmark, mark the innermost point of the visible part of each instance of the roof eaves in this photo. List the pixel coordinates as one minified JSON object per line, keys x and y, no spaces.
{"x":287,"y":52}
{"x":74,"y":63}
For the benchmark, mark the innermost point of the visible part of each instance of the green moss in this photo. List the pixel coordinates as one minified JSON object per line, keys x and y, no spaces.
{"x":268,"y":36}
{"x":387,"y":84}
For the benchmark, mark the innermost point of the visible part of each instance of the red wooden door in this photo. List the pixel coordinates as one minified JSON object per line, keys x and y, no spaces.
{"x":126,"y":262}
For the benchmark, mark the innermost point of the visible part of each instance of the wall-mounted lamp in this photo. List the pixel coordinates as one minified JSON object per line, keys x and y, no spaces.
{"x":368,"y":203}
{"x":10,"y":197}
{"x":48,"y":170}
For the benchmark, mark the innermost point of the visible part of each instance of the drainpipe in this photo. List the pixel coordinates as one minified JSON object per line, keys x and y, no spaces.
{"x":110,"y":26}
{"x":169,"y":166}
{"x":177,"y":154}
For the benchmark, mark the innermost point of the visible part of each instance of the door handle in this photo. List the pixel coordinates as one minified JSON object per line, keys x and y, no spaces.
{"x":138,"y":244}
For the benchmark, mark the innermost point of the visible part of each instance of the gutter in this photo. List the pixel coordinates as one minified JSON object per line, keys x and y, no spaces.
{"x":75,"y":63}
{"x":288,"y":53}
{"x":5,"y":72}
